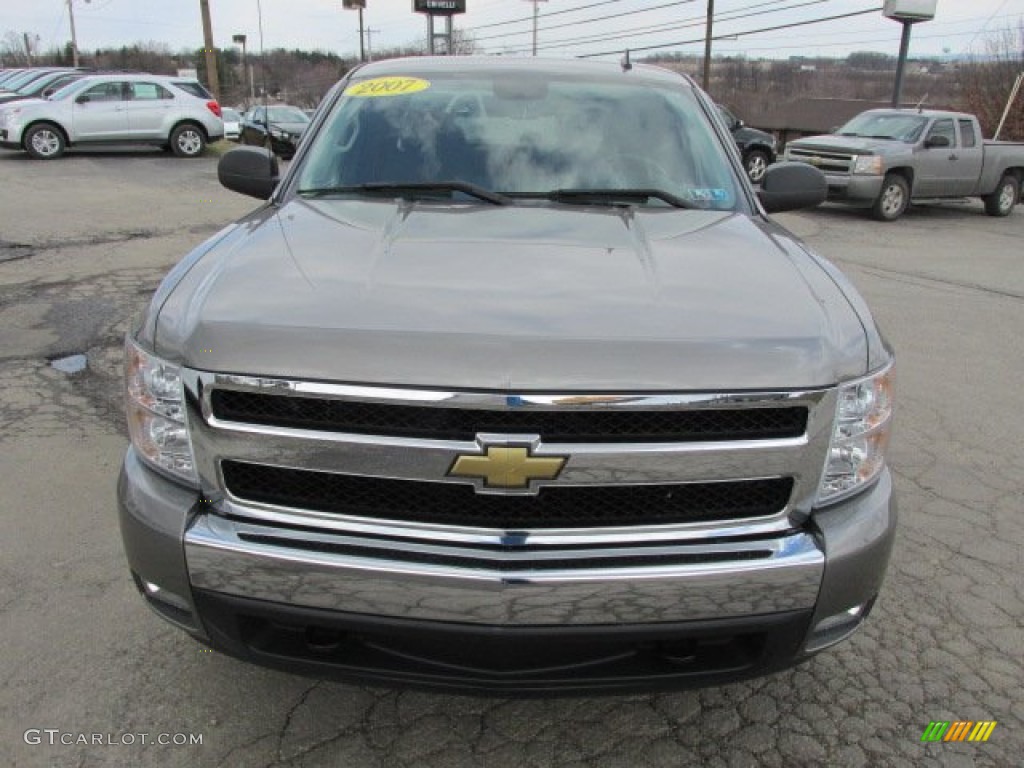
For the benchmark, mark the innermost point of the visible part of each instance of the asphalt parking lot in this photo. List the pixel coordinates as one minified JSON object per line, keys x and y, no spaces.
{"x":84,"y":241}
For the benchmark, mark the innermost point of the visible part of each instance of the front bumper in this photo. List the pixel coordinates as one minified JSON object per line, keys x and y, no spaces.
{"x":317,"y":604}
{"x":853,"y":190}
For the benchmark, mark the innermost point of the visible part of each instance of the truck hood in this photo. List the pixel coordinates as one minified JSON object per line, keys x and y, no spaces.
{"x":518,"y":297}
{"x":854,"y":145}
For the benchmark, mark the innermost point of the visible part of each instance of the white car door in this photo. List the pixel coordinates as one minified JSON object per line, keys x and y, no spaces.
{"x":148,"y":110}
{"x":100,"y":113}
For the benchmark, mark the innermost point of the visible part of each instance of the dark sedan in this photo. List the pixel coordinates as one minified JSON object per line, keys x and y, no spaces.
{"x":281,"y":125}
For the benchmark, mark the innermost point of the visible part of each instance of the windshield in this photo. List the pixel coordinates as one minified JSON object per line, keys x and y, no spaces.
{"x":886,"y":125}
{"x":513,"y":134}
{"x":287,"y":115}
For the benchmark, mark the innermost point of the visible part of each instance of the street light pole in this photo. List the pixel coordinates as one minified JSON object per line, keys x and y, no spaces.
{"x":897,"y":91}
{"x":246,"y":73}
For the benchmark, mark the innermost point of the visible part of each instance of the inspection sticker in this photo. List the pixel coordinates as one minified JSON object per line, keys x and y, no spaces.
{"x":387,"y":86}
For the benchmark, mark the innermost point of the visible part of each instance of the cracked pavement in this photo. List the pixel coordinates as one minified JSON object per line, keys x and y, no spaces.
{"x":84,"y":241}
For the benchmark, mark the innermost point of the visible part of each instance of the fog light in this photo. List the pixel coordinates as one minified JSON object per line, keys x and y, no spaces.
{"x":837,"y":627}
{"x":156,"y":592}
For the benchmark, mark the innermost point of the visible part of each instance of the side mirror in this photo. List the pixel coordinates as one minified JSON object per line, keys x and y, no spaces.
{"x":935,"y":142}
{"x":83,"y":99}
{"x":738,"y":124}
{"x":791,"y":186}
{"x":251,"y":171}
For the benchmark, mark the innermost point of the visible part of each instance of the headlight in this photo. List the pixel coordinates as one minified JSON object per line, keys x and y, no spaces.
{"x":868,"y":164}
{"x":861,"y":436}
{"x":277,"y":133}
{"x":155,"y":406}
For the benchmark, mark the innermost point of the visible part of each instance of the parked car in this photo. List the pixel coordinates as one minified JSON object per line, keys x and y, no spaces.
{"x":9,"y":74}
{"x":41,"y":87}
{"x":756,"y":147}
{"x":510,"y":385}
{"x":282,"y":123}
{"x":232,"y":123}
{"x":886,"y":159}
{"x":172,"y":112}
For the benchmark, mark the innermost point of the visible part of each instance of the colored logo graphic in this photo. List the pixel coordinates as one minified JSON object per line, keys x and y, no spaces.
{"x":959,"y":730}
{"x":504,"y":467}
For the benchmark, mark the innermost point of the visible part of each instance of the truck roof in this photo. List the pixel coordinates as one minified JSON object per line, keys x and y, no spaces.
{"x":924,"y":112}
{"x":426,"y":65}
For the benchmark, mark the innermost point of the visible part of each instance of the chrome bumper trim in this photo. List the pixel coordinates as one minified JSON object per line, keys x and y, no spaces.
{"x":222,"y":556}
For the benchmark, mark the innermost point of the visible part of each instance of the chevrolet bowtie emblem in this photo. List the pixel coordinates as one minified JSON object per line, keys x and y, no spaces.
{"x":502,"y":467}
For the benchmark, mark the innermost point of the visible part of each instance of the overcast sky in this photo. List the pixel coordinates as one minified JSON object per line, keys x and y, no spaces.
{"x":959,"y":25}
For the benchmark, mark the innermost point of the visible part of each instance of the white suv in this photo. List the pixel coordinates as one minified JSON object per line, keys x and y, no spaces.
{"x":173,"y":112}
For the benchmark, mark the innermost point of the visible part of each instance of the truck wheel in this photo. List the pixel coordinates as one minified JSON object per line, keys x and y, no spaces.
{"x":1006,"y":194}
{"x":893,"y":199}
{"x":756,"y":164}
{"x":187,"y":141}
{"x":44,"y":141}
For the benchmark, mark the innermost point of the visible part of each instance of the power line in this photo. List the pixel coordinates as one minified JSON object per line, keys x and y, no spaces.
{"x":595,"y":19}
{"x":693,"y":21}
{"x":1000,"y":8}
{"x":804,"y":46}
{"x":737,"y":34}
{"x":546,"y":15}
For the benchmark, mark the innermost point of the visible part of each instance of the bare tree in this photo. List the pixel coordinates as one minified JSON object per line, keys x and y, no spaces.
{"x":14,"y":48}
{"x":986,"y":83}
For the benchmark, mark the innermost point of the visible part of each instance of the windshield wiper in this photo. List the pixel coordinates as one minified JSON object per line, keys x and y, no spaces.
{"x":607,"y":196}
{"x":411,"y":189}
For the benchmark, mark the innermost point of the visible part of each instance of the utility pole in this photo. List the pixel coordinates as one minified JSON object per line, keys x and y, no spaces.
{"x":211,"y":53}
{"x":707,"y":45}
{"x":369,"y":43}
{"x":74,"y":37}
{"x":536,"y":15}
{"x":362,"y":34}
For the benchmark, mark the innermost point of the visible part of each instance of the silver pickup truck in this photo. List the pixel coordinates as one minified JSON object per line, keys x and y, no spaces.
{"x":511,"y":384}
{"x":885,"y":159}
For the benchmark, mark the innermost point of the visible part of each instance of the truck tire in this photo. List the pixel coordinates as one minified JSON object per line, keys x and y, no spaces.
{"x":187,"y":140}
{"x":893,"y":200}
{"x":756,"y":163}
{"x":44,"y":141}
{"x":1005,"y":196}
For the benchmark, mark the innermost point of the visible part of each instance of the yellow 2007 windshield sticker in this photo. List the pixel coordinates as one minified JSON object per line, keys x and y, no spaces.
{"x":387,"y":86}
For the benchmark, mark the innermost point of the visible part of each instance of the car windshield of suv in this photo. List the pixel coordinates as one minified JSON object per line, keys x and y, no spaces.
{"x":894,"y":125}
{"x":287,"y":115}
{"x":565,"y":138}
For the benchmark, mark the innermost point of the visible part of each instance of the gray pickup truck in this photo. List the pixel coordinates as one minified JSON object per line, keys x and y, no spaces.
{"x":511,"y":384}
{"x":885,"y":159}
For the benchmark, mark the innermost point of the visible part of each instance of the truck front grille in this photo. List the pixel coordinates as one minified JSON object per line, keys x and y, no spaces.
{"x":826,"y":161}
{"x":458,"y":504}
{"x":553,"y":426}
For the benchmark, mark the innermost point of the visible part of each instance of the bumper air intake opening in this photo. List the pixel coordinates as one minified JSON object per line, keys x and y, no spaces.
{"x":470,"y":658}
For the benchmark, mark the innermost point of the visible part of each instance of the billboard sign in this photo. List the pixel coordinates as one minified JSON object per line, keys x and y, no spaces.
{"x":439,"y":7}
{"x":910,"y":10}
